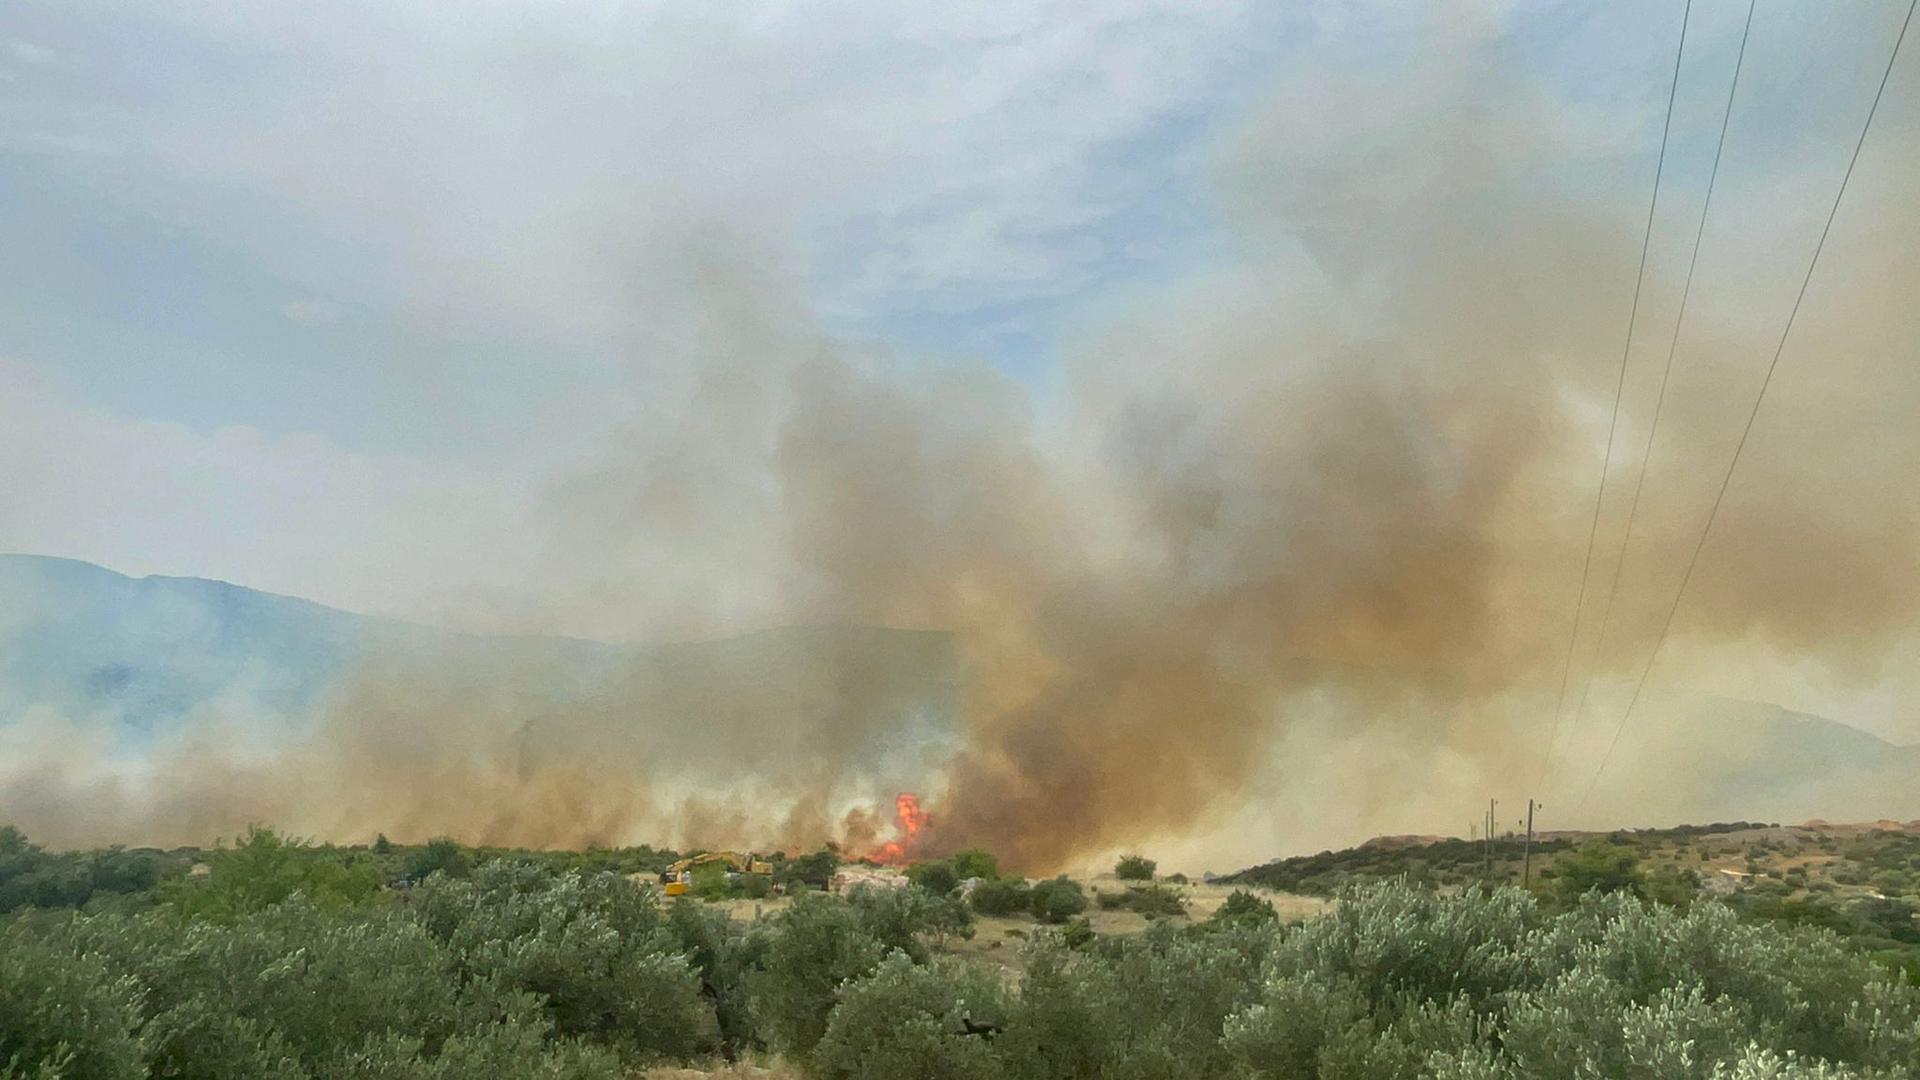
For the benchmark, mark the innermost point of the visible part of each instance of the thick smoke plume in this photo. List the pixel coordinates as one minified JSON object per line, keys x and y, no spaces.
{"x":1306,"y":529}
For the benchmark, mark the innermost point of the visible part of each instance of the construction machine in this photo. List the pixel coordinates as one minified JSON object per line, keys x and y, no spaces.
{"x":678,"y":877}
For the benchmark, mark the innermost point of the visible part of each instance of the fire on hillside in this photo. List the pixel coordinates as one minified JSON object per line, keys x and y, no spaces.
{"x":913,"y":822}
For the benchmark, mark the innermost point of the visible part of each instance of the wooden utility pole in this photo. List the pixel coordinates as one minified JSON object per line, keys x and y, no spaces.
{"x":1526,"y":861}
{"x":1490,"y":804}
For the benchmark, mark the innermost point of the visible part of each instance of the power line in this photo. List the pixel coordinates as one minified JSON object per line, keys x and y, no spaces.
{"x":1673,"y":345}
{"x":1613,"y":425}
{"x":1725,"y":481}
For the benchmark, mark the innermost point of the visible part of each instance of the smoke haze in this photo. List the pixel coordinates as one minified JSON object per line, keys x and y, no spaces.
{"x":1284,"y":556}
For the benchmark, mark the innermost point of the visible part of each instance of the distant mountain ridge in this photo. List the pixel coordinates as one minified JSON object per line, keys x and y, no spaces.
{"x":1718,"y":759}
{"x":144,"y":653}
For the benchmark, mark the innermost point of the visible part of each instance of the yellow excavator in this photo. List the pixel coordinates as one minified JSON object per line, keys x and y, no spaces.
{"x":678,"y":877}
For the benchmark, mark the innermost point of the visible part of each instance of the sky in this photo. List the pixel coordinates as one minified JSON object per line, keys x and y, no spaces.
{"x":343,"y":300}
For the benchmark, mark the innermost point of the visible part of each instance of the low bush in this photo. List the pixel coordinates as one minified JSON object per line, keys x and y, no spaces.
{"x":300,"y":990}
{"x":596,"y":949}
{"x":442,"y":855}
{"x":31,"y":876}
{"x":975,"y":863}
{"x":1002,"y":896}
{"x":814,"y":871}
{"x":1153,"y":901}
{"x":64,"y":1012}
{"x":1398,"y":982}
{"x":1058,"y":900}
{"x":937,"y":877}
{"x":1243,"y":907}
{"x":913,"y":921}
{"x":723,"y":954}
{"x":263,"y":869}
{"x":813,"y":947}
{"x":532,"y":967}
{"x":1078,"y":934}
{"x":931,"y":1022}
{"x":1134,"y":868}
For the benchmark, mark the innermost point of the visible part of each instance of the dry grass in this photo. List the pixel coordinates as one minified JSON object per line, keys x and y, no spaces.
{"x":749,"y":910}
{"x":997,"y":939}
{"x":1203,"y":900}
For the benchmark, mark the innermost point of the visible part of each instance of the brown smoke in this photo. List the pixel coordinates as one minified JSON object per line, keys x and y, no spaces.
{"x":1338,"y":485}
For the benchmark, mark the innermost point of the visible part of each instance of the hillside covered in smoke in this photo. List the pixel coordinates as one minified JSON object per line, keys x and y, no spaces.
{"x":114,"y":686}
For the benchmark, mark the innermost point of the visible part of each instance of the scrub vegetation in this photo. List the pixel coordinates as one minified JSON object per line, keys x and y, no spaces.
{"x":273,"y":958}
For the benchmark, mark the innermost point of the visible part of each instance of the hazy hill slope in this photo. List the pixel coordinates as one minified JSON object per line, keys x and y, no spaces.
{"x":1693,"y":757}
{"x":144,"y":653}
{"x":142,"y":656}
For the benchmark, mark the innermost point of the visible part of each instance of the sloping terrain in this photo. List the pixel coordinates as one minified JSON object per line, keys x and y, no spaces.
{"x":139,"y":659}
{"x":143,"y":654}
{"x":1869,"y":859}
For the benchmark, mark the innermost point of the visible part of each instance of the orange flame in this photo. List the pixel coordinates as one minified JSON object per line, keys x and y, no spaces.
{"x":906,"y":806}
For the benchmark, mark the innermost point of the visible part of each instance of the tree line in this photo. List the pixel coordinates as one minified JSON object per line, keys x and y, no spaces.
{"x":283,"y":963}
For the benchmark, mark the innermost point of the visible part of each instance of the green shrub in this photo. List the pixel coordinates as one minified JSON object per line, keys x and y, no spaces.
{"x":1078,"y":934}
{"x":975,"y":863}
{"x":31,"y":876}
{"x":813,"y":947}
{"x":595,"y":948}
{"x":1295,"y":1019}
{"x":1136,"y":1008}
{"x":1058,"y":900}
{"x":723,"y":954}
{"x":1001,"y":896}
{"x":1134,"y":868}
{"x":1153,"y":901}
{"x":937,"y":877}
{"x":912,"y":920}
{"x":1670,"y":885}
{"x":1595,"y":866}
{"x":1065,"y":1022}
{"x":287,"y":990}
{"x":518,"y":1047}
{"x":1180,"y":989}
{"x":1761,"y":1064}
{"x":442,"y":855}
{"x":1398,"y":943}
{"x":1401,"y":982}
{"x":63,"y":1012}
{"x":263,"y":869}
{"x":1586,"y":1024}
{"x":530,"y":967}
{"x":1244,"y":907}
{"x":814,"y":871}
{"x":935,"y":1022}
